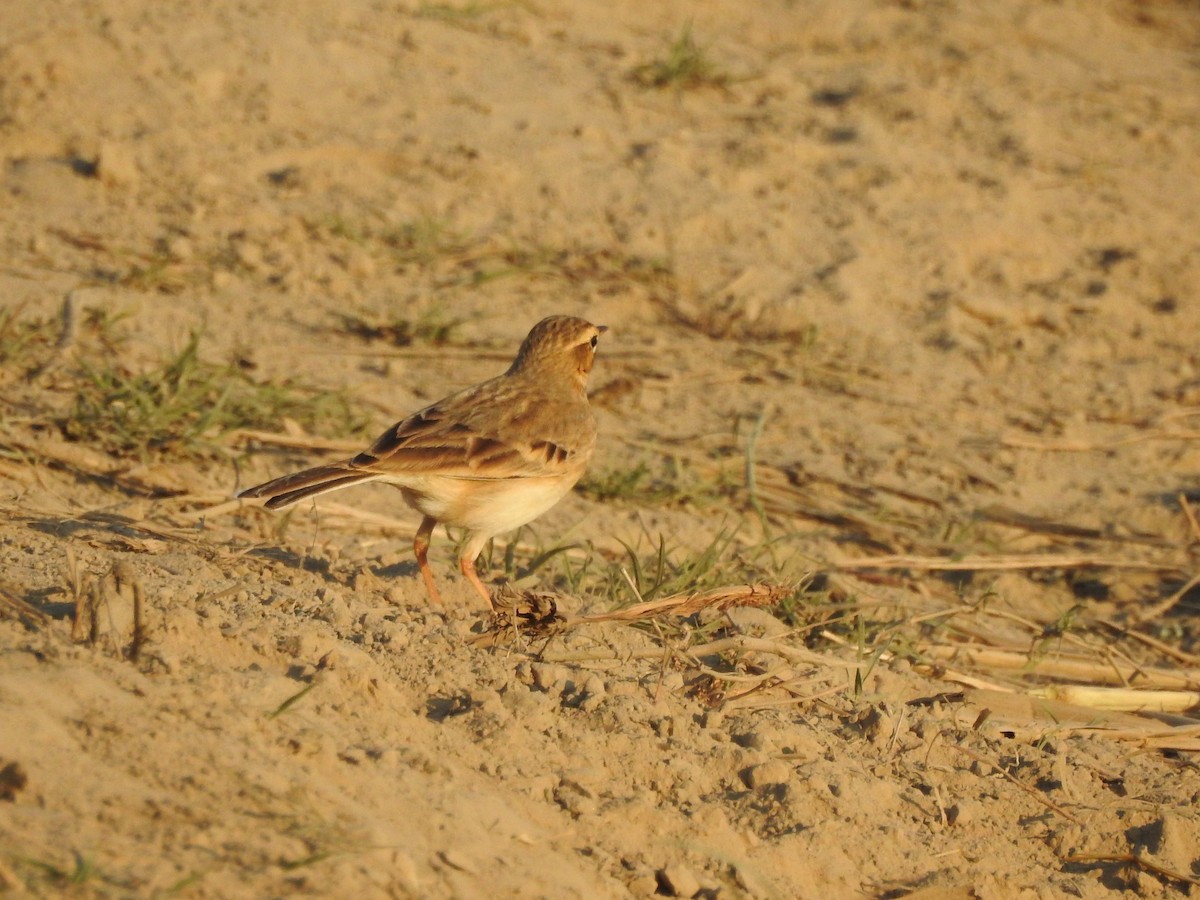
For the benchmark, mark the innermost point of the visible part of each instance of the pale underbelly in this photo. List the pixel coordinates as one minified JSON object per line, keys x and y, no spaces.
{"x":484,"y":507}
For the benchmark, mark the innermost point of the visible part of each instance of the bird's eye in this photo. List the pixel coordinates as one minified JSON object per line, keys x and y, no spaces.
{"x":594,"y":341}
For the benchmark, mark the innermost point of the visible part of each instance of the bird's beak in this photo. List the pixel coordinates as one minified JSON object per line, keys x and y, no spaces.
{"x":602,"y":328}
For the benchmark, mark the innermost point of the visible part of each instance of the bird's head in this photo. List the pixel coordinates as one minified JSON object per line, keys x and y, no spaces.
{"x":559,"y":344}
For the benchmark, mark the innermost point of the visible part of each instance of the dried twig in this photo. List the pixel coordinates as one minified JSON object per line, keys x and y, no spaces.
{"x":994,"y":563}
{"x":689,"y":604}
{"x":1191,"y":517}
{"x":1026,"y":718}
{"x":1029,"y":789}
{"x":1079,"y":446}
{"x":1132,"y":859}
{"x":292,"y":441}
{"x":1012,"y":518}
{"x":1153,"y":643}
{"x":1074,"y":668}
{"x":25,"y":612}
{"x":1119,"y":699}
{"x":1165,"y":606}
{"x":76,"y":457}
{"x":741,"y":644}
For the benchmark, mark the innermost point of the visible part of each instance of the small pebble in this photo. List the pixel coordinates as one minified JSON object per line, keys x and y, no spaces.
{"x":678,"y":881}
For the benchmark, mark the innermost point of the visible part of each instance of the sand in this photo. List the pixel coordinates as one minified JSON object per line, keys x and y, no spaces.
{"x":897,"y":281}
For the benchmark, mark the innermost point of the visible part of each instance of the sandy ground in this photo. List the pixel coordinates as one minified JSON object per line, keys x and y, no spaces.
{"x":911,"y":282}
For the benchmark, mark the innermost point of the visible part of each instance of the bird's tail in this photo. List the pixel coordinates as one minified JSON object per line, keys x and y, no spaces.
{"x":309,"y":483}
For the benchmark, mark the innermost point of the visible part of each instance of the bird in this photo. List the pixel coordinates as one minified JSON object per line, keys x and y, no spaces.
{"x":487,"y":459}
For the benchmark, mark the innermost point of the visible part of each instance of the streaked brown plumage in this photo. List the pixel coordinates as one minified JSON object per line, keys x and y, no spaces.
{"x":487,"y":459}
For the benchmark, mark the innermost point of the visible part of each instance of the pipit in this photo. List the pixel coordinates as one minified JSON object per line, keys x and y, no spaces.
{"x":487,"y":459}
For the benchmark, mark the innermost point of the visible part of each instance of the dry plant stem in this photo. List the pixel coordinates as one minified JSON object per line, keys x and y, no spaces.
{"x":1151,"y":642}
{"x":79,"y":582}
{"x":1035,"y":629}
{"x":1089,"y":446}
{"x":1027,"y":719}
{"x":712,"y":648}
{"x":781,"y":675}
{"x":1003,"y":515}
{"x":1180,"y":739}
{"x":291,"y":441}
{"x":211,"y":512}
{"x":742,"y":701}
{"x":1032,"y":791}
{"x":10,"y":598}
{"x":956,"y":677}
{"x":124,"y":574}
{"x":1075,"y":669}
{"x":54,"y":452}
{"x":1120,"y":699}
{"x":386,"y":523}
{"x":688,"y":604}
{"x":1104,"y":698}
{"x":632,"y":586}
{"x":1002,"y":563}
{"x":1191,"y":517}
{"x":1167,"y":605}
{"x":941,"y":672}
{"x":1132,"y":859}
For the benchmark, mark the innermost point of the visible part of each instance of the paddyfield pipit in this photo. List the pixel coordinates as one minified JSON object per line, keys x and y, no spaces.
{"x":487,"y":459}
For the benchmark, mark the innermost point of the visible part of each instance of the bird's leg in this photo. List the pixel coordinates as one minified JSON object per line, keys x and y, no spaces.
{"x":467,"y":564}
{"x":421,"y":550}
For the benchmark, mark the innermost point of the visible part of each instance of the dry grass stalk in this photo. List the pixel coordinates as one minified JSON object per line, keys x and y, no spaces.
{"x":1029,"y":789}
{"x":292,"y":441}
{"x":11,"y":602}
{"x":1068,"y":446}
{"x":688,"y":604}
{"x":1132,"y":859}
{"x":79,"y":582}
{"x":1000,"y":563}
{"x":1190,"y":514}
{"x":1073,"y":668}
{"x":1153,"y":643}
{"x":1030,"y":718}
{"x":1181,"y":739}
{"x":749,"y":700}
{"x":1012,"y":518}
{"x":334,"y":511}
{"x":109,"y":611}
{"x":1120,"y":699}
{"x":212,"y":505}
{"x":125,"y":580}
{"x":1165,"y":606}
{"x":740,"y":644}
{"x":75,"y":457}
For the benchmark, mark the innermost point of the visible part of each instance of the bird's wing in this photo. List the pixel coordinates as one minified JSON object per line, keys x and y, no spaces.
{"x":492,"y":431}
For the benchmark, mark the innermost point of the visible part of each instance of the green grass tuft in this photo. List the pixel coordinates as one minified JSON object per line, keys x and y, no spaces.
{"x":685,"y":66}
{"x":184,"y":405}
{"x":23,"y":338}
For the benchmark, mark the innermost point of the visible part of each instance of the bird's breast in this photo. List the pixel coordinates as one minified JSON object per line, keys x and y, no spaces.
{"x":484,"y":506}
